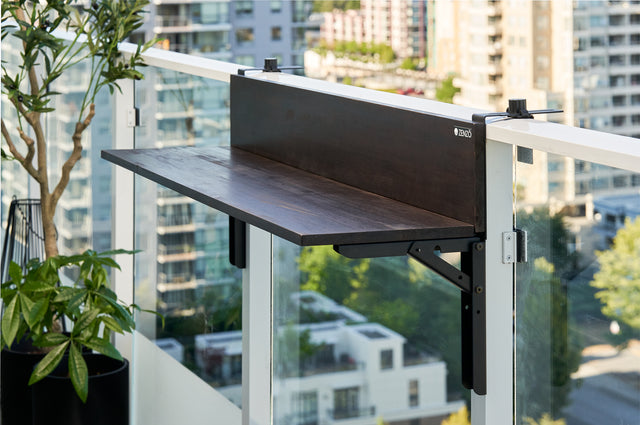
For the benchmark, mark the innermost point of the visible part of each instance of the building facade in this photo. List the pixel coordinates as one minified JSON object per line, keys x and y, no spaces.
{"x":350,"y":370}
{"x":582,"y":57}
{"x":397,"y":23}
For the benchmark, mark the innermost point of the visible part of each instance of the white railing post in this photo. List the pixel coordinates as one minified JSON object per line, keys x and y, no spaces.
{"x":496,"y":408}
{"x":256,"y":329}
{"x":122,"y":209}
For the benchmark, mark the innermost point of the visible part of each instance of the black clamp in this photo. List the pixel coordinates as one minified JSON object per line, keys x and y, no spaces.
{"x":270,"y":65}
{"x":518,"y":110}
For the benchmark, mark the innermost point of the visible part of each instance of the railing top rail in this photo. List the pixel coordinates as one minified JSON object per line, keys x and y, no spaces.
{"x":584,"y":144}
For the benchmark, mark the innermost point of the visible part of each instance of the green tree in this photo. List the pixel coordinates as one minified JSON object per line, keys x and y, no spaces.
{"x":408,"y":63}
{"x":446,"y":91}
{"x":294,"y":348}
{"x":396,"y":292}
{"x":618,"y":280}
{"x":330,"y":5}
{"x":547,"y":350}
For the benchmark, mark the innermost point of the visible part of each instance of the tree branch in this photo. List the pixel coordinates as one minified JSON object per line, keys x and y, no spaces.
{"x":75,"y":156}
{"x":26,"y":162}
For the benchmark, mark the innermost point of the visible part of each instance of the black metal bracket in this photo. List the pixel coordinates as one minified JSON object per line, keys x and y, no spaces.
{"x":270,"y":65}
{"x":470,"y":278}
{"x":237,"y":242}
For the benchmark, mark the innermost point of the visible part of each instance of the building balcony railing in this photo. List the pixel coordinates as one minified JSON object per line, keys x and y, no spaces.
{"x":158,"y":377}
{"x":352,"y":413}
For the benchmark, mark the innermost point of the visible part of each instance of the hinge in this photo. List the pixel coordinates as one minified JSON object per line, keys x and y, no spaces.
{"x":133,"y":117}
{"x":514,"y":247}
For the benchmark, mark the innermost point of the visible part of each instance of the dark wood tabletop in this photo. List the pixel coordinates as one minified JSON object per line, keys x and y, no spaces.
{"x":299,"y":206}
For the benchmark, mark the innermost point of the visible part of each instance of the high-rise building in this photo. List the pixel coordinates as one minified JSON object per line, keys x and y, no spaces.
{"x":582,"y":57}
{"x":188,"y":254}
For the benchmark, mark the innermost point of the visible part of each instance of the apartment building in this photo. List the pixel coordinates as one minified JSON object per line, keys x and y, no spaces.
{"x":355,"y":371}
{"x":398,"y":23}
{"x":190,"y":242}
{"x":582,"y":57}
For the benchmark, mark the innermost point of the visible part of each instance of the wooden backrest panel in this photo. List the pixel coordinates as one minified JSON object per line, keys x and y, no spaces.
{"x":428,"y":161}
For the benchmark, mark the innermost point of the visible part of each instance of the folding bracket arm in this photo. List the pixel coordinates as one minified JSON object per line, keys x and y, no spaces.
{"x":470,"y":279}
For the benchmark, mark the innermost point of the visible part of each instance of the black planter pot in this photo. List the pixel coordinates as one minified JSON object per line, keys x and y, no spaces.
{"x":55,"y":402}
{"x":16,"y":366}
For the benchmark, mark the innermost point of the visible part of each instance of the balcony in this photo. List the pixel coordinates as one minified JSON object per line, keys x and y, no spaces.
{"x":166,"y":392}
{"x":351,"y":413}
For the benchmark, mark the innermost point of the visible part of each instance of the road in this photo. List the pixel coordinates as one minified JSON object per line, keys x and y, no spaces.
{"x":610,"y":390}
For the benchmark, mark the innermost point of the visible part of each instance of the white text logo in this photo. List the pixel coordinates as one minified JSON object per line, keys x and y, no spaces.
{"x":462,"y":132}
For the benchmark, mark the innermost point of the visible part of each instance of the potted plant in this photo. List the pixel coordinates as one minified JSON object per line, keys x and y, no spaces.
{"x":32,"y":302}
{"x":45,"y":57}
{"x":35,"y":303}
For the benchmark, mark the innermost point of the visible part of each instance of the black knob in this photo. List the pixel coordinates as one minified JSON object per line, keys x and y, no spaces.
{"x":271,"y":65}
{"x":516,"y":106}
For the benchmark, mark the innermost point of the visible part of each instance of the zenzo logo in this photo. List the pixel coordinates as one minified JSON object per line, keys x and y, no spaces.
{"x":462,"y":132}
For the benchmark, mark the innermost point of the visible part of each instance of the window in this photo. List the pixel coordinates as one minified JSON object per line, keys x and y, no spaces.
{"x":620,"y":181}
{"x":305,"y":407}
{"x":616,"y":81}
{"x":616,"y":20}
{"x":246,"y":60}
{"x":634,"y":39}
{"x":386,"y":359}
{"x":597,"y":41}
{"x":598,"y":62}
{"x":413,"y":393}
{"x":597,"y":21}
{"x":635,"y":59}
{"x":617,"y":60}
{"x":298,"y":41}
{"x":276,"y":33}
{"x":616,"y":40}
{"x":275,"y":6}
{"x":619,"y":100}
{"x":244,"y":36}
{"x":244,"y":7}
{"x":635,"y":79}
{"x":346,"y":403}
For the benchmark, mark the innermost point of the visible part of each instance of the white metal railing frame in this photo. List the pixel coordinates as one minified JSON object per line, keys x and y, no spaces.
{"x":496,"y":408}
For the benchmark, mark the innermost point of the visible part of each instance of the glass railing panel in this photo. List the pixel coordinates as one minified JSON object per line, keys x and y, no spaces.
{"x":183,"y":269}
{"x":83,"y":215}
{"x":577,"y":358}
{"x":374,"y":340}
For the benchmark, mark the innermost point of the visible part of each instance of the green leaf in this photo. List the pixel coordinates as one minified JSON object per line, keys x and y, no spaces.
{"x":103,"y":347}
{"x":48,"y":363}
{"x":86,"y":319}
{"x":27,"y":305}
{"x":36,"y":314}
{"x":77,"y":300}
{"x":52,"y":338}
{"x":15,"y":271}
{"x":65,"y":294}
{"x":11,"y":321}
{"x":79,"y":373}
{"x":111,"y":323}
